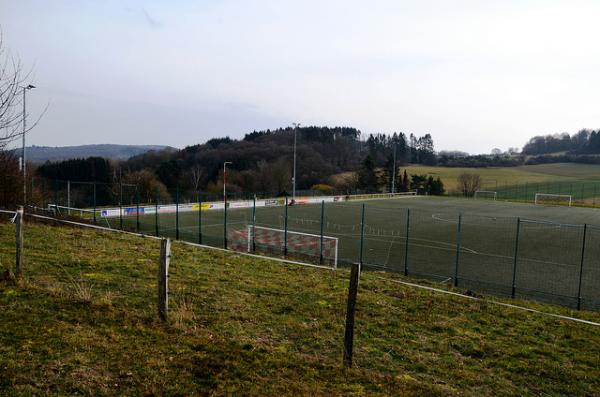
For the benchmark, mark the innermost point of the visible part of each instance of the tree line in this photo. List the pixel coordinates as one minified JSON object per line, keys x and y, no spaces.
{"x":261,"y":163}
{"x":584,"y":141}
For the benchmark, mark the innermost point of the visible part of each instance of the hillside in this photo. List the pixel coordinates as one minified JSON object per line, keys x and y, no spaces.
{"x":84,"y":322}
{"x":41,"y":154}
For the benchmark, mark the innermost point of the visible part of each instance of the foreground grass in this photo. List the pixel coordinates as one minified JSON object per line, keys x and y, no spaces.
{"x":83,"y":322}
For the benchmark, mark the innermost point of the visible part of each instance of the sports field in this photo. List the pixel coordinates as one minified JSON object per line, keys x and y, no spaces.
{"x":550,"y":253}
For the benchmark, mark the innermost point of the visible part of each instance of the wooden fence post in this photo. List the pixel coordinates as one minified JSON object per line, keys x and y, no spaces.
{"x":349,"y":334}
{"x":19,"y":242}
{"x":163,"y":278}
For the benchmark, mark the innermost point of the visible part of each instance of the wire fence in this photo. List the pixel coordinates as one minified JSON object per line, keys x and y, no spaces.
{"x":510,"y":256}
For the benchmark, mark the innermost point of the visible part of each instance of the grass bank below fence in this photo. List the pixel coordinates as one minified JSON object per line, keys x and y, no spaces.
{"x":84,"y":322}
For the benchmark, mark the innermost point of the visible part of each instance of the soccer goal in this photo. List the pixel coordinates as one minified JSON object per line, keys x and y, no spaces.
{"x":485,"y":194}
{"x":553,"y":199}
{"x":271,"y":241}
{"x":61,"y":210}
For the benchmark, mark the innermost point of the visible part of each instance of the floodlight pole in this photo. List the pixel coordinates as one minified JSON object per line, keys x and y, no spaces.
{"x":296,"y":125}
{"x":225,"y":203}
{"x":225,"y":181}
{"x":394,"y":172}
{"x":24,"y":163}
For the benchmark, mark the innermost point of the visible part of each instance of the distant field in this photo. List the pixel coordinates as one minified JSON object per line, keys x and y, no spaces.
{"x":83,"y":322}
{"x":582,"y":181}
{"x":509,"y":176}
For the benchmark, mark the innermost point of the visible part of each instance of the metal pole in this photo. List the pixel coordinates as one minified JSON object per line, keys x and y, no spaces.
{"x":362,"y":236}
{"x":254,"y":223}
{"x":177,"y":212}
{"x":514,"y":276}
{"x":56,"y":197}
{"x":285,"y":228}
{"x":94,"y":203}
{"x":296,"y":125}
{"x":406,"y":242}
{"x":199,"y":217}
{"x":24,"y":162}
{"x":581,"y":267}
{"x":458,"y":236}
{"x":121,"y":204}
{"x":225,"y":224}
{"x":137,"y":209}
{"x":69,"y":197}
{"x":156,"y":224}
{"x":322,"y":225}
{"x":225,"y":203}
{"x":394,"y":172}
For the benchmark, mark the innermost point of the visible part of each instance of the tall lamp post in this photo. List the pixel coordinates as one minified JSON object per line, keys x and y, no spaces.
{"x":394,"y":171}
{"x":296,"y":125}
{"x":225,"y":203}
{"x":24,"y":162}
{"x":225,"y":181}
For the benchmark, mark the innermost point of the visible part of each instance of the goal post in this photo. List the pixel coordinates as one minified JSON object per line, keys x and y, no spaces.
{"x":553,"y":199}
{"x":485,"y":194}
{"x":302,"y":246}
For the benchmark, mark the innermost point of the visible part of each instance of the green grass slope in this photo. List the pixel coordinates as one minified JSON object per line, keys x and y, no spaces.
{"x":83,"y":322}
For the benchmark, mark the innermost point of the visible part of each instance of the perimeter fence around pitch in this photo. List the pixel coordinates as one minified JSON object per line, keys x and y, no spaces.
{"x":521,"y":258}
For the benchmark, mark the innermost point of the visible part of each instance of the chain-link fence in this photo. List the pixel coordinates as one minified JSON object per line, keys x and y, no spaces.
{"x":510,"y":256}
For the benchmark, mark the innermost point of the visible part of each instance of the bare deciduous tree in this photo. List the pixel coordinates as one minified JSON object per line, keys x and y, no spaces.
{"x":469,"y":183}
{"x":12,"y":82}
{"x":196,"y":174}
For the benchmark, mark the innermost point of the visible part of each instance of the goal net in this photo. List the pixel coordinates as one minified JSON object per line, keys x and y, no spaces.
{"x":271,"y":241}
{"x":485,"y":194}
{"x":553,"y":199}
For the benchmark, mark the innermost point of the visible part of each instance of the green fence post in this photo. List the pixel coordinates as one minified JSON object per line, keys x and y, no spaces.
{"x":581,"y":267}
{"x":56,"y":196}
{"x":285,"y":228}
{"x":595,"y":190}
{"x":225,"y":221}
{"x":458,"y":236}
{"x":120,"y":205}
{"x":514,"y":276}
{"x":406,"y":242}
{"x":199,"y":217}
{"x":526,"y":193}
{"x":571,"y":190}
{"x":321,"y":237}
{"x":156,"y":224}
{"x":137,"y":209}
{"x":362,"y":237}
{"x":94,"y":203}
{"x":254,"y":223}
{"x":177,"y":212}
{"x":582,"y":192}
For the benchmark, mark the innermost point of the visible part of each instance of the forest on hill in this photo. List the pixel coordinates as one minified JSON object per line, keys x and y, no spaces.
{"x":261,"y":162}
{"x":340,"y":159}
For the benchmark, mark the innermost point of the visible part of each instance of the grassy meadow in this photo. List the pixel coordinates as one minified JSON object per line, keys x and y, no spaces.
{"x":83,"y":322}
{"x":511,"y":176}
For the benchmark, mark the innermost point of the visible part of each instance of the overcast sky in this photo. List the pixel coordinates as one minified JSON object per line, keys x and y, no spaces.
{"x":474,"y":74}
